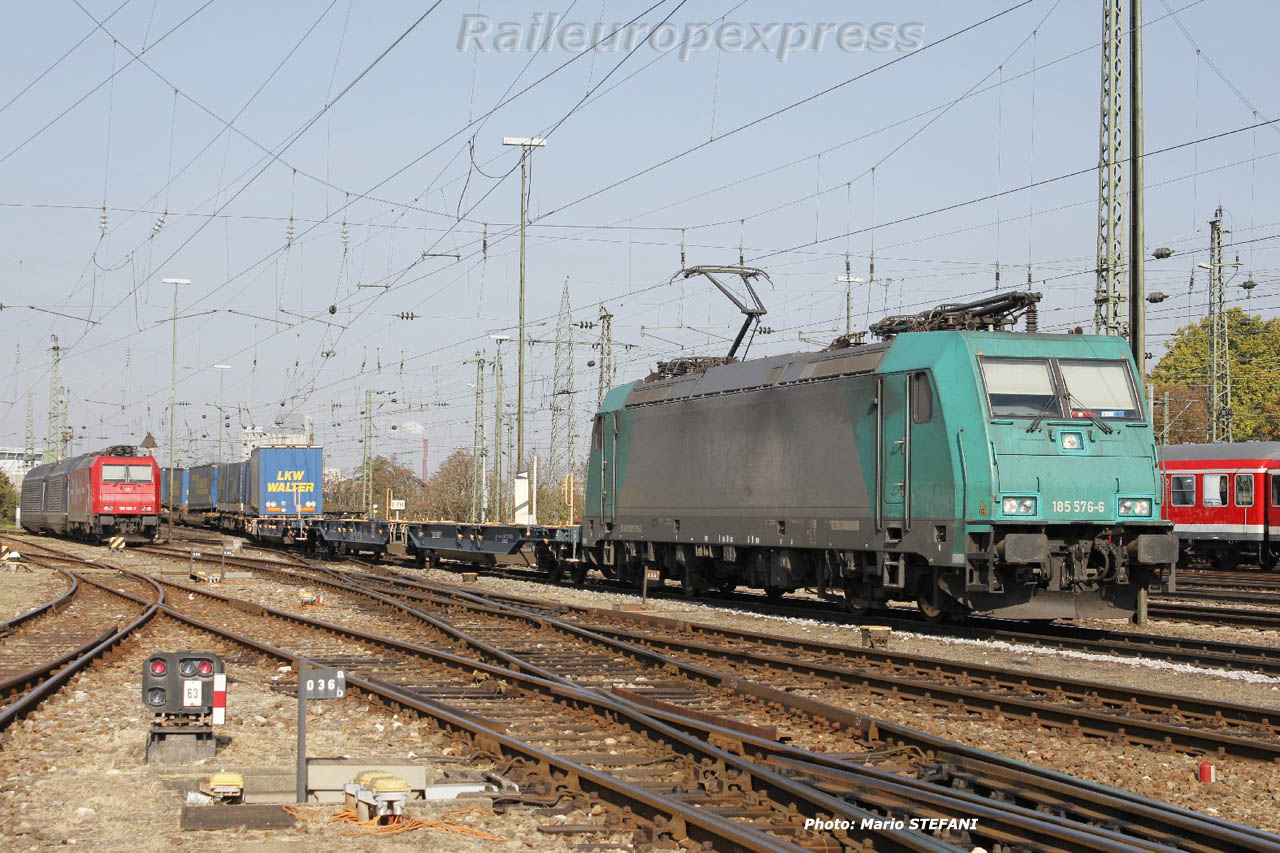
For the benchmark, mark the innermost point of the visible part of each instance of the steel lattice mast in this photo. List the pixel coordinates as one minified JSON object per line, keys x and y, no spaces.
{"x":1218,"y":426}
{"x":1111,"y":235}
{"x":478,"y":450}
{"x":562,"y":394}
{"x":366,"y":468}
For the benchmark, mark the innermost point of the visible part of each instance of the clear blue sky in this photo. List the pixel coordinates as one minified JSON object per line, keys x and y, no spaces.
{"x":391,"y":160}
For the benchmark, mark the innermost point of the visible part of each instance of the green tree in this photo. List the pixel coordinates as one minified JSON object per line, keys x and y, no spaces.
{"x":1183,"y":375}
{"x":8,"y":501}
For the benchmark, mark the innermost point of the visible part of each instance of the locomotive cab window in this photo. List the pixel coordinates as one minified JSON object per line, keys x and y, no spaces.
{"x":1275,"y":490}
{"x":139,"y":473}
{"x":1101,"y":389}
{"x":1244,"y":490}
{"x":597,"y":433}
{"x":1182,"y":490}
{"x":1020,"y":388}
{"x":922,"y":399}
{"x":1215,"y":490}
{"x":115,"y":473}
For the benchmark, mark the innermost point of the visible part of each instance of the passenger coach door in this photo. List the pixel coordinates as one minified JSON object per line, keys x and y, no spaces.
{"x":893,"y":454}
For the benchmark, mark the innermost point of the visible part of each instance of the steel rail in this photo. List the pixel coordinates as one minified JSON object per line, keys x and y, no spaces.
{"x":1016,"y":822}
{"x":645,"y":801}
{"x":1100,"y":802}
{"x":51,"y":606}
{"x":60,"y":672}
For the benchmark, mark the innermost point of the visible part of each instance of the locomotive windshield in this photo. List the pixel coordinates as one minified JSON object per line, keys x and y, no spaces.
{"x":1018,"y":387}
{"x":1099,"y":389}
{"x":126,"y":473}
{"x":1048,"y":388}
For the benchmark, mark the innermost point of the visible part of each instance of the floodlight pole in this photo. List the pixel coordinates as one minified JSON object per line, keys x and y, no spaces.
{"x":173,"y":397}
{"x":525,"y":143}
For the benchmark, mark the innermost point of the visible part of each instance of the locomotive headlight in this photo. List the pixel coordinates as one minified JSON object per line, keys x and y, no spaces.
{"x":1018,"y":506}
{"x":1135,"y":507}
{"x":1072,"y":441}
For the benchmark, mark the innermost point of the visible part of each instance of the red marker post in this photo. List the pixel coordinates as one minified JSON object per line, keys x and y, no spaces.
{"x":1208,"y":773}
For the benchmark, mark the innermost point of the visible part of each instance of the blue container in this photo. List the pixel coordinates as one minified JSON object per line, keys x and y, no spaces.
{"x":202,"y":488}
{"x":180,"y":482}
{"x":285,"y":481}
{"x":231,"y":486}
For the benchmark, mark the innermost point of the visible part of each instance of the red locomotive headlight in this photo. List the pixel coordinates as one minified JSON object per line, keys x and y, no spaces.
{"x":158,"y":667}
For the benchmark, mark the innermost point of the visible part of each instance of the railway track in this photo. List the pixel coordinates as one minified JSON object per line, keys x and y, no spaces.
{"x":561,"y":744}
{"x":1209,"y":653}
{"x":1188,"y":650}
{"x":863,"y":777}
{"x":552,"y":653}
{"x":1091,"y":708}
{"x":43,"y":648}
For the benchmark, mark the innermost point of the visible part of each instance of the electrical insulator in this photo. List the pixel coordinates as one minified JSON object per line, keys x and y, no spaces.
{"x":484,"y":243}
{"x":102,"y":220}
{"x":288,"y":233}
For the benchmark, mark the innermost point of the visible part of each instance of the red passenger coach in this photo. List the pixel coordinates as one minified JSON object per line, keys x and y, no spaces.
{"x":114,"y":492}
{"x":1224,"y":501}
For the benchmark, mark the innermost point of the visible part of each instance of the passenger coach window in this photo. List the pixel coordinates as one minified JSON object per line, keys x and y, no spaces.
{"x":922,"y":402}
{"x":1244,"y":490}
{"x":1275,"y":490}
{"x":114,"y":473}
{"x":1183,"y":490}
{"x":1100,"y":388}
{"x":1020,"y":387}
{"x":1215,"y":489}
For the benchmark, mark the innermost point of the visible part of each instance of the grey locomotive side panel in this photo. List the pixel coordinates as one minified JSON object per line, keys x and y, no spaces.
{"x":777,"y":466}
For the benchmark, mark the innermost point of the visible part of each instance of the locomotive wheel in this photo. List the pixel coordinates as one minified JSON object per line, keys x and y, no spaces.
{"x":932,"y":612}
{"x":1269,"y":560}
{"x":774,"y":592}
{"x":856,"y":600}
{"x":579,"y":573}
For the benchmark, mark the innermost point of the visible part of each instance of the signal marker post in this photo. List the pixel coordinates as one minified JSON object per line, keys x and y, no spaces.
{"x":314,"y":682}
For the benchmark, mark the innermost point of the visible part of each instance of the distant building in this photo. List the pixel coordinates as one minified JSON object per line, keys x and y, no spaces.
{"x":13,"y":463}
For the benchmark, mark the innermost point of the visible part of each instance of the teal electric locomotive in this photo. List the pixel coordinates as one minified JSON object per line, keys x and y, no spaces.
{"x":956,"y":465}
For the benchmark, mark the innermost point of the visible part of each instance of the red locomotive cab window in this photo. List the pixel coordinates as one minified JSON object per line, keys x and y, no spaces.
{"x":115,"y":473}
{"x":139,"y":473}
{"x":1215,"y":490}
{"x":1182,"y":490}
{"x":1244,"y":490}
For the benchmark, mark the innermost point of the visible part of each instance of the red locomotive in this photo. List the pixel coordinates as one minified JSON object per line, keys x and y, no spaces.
{"x":1224,"y":501}
{"x":114,"y":492}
